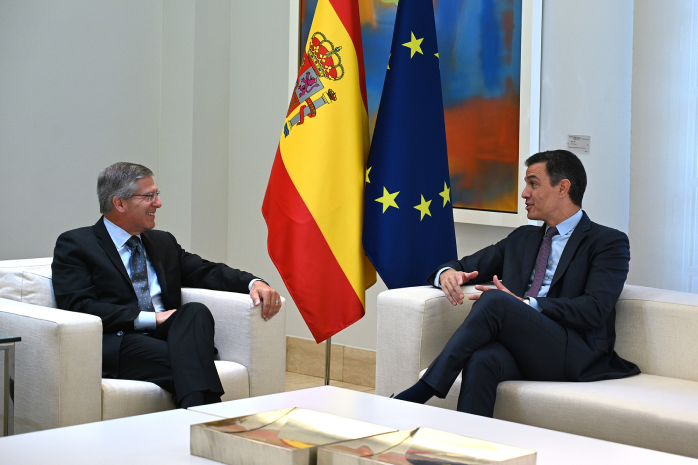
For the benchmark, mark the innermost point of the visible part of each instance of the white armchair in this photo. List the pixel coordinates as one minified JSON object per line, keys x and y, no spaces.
{"x":414,"y":324}
{"x":59,"y":360}
{"x":655,"y":328}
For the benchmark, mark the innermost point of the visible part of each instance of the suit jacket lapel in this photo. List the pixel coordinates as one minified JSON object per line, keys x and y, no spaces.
{"x":571,"y":247}
{"x":106,"y":242}
{"x":533,"y":243}
{"x":157,"y":265}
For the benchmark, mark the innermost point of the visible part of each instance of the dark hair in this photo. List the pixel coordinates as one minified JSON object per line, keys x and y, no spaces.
{"x":562,"y":164}
{"x":119,"y":180}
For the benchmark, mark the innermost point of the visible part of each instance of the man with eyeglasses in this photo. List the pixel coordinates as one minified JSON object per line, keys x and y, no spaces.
{"x":131,"y":276}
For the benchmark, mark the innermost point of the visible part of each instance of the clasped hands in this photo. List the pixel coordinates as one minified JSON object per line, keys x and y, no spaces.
{"x":451,"y":281}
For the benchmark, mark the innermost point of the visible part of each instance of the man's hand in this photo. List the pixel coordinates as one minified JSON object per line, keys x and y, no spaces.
{"x":160,"y":317}
{"x":498,"y":285}
{"x":451,"y":281}
{"x":268,"y":296}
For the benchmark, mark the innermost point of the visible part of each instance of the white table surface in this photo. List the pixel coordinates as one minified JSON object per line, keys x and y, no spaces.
{"x":156,"y":438}
{"x":554,"y":448}
{"x":164,"y":437}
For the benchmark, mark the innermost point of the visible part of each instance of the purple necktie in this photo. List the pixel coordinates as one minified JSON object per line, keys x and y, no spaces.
{"x":541,"y":262}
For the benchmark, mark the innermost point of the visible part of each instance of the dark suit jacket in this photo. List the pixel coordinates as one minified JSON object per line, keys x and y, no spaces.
{"x":583,"y":293}
{"x":89,"y":277}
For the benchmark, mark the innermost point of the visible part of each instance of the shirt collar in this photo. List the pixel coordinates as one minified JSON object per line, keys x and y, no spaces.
{"x":569,"y":224}
{"x":118,"y":235}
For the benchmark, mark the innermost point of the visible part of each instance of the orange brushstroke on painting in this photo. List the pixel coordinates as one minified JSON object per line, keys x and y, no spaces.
{"x":366,"y":13}
{"x":481,"y":131}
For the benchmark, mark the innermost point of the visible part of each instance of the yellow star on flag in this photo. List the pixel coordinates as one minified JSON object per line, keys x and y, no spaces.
{"x":446,"y":194}
{"x":388,"y":199}
{"x":368,"y":171}
{"x":423,"y":208}
{"x":414,"y":45}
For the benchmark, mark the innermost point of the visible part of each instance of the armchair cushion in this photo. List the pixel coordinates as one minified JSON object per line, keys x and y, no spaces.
{"x":661,"y":410}
{"x":27,"y":281}
{"x":125,"y":398}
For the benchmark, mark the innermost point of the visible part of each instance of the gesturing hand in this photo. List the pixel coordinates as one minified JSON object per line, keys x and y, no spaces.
{"x":451,"y":281}
{"x":268,"y":296}
{"x":498,"y":285}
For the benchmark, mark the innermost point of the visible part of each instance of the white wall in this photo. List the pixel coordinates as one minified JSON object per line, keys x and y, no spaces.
{"x":586,"y":89}
{"x":194,"y":127}
{"x":84,"y":84}
{"x":664,"y":178}
{"x":79,"y":90}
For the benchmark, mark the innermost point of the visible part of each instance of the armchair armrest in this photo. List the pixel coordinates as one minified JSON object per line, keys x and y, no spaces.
{"x":58,"y":365}
{"x":244,"y":337}
{"x":656,"y":329}
{"x":414,"y":324}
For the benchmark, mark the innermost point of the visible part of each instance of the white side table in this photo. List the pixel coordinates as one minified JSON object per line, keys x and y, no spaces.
{"x":7,"y":345}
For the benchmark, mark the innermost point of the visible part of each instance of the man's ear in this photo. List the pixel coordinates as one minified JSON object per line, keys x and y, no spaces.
{"x":564,"y":187}
{"x":119,"y":204}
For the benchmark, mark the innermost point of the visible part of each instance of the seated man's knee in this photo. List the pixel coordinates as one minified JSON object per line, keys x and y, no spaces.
{"x":492,"y":300}
{"x":196,"y":310}
{"x":495,"y":358}
{"x":484,"y":357}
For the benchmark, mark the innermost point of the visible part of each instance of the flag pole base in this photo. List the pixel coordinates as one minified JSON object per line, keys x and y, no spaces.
{"x":328,"y":358}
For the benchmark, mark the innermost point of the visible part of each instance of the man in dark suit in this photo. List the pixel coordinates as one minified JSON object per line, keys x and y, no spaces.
{"x":131,"y":276}
{"x":551,"y":315}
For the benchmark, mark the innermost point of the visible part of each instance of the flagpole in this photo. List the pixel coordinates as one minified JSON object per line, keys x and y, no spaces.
{"x":328,"y":358}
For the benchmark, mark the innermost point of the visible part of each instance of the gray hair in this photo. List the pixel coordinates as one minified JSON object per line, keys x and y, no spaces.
{"x":119,"y":180}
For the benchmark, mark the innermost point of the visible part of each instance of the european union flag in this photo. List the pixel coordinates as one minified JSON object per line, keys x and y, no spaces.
{"x":408,"y":220}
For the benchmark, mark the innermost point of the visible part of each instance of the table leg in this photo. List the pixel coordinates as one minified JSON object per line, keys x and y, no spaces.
{"x":9,"y":389}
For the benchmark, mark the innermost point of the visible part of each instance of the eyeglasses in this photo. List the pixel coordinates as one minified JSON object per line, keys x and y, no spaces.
{"x":150,"y":198}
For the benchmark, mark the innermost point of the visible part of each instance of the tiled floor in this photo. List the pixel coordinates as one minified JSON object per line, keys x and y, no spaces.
{"x":296,"y":381}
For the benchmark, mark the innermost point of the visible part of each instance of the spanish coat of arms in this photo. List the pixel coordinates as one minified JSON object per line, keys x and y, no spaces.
{"x":321,"y":64}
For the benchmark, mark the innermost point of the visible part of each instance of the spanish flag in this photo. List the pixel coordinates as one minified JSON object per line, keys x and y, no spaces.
{"x":315,"y":198}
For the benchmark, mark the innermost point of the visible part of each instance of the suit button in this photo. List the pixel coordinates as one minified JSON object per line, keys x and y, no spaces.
{"x":120,"y":333}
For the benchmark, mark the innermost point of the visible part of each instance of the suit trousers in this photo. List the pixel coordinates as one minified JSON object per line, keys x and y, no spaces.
{"x":501,"y":339}
{"x":178,"y":356}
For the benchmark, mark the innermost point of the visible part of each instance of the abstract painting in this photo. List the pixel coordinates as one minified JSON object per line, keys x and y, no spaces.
{"x":480,"y":62}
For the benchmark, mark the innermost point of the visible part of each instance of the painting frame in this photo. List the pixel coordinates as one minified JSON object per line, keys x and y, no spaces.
{"x":529,"y":110}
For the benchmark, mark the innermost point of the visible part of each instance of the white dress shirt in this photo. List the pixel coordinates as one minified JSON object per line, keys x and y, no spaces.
{"x":145,"y":320}
{"x":564,"y":231}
